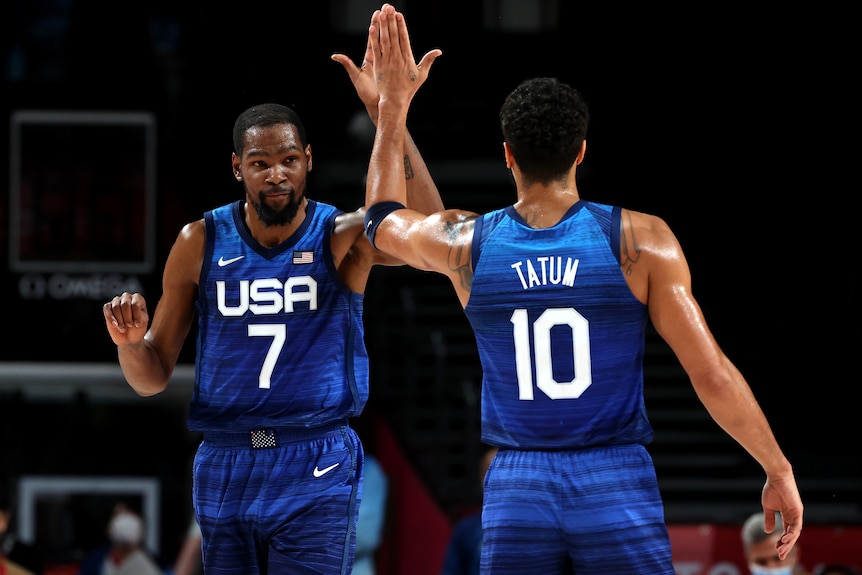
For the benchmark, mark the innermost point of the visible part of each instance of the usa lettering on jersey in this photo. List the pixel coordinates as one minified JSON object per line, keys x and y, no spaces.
{"x":267,"y":296}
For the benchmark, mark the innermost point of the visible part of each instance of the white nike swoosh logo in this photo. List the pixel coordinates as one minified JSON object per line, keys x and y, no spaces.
{"x":223,"y":262}
{"x":325,"y":470}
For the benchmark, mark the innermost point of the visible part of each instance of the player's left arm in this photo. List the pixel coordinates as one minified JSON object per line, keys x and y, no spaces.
{"x":719,"y":385}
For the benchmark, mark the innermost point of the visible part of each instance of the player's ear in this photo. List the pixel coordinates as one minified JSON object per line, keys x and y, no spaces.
{"x":308,"y":157}
{"x":582,"y":153}
{"x":507,"y":153}
{"x":234,"y":160}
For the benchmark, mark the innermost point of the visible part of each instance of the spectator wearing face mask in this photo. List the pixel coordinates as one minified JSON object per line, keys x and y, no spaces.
{"x":761,"y":553}
{"x":125,"y":553}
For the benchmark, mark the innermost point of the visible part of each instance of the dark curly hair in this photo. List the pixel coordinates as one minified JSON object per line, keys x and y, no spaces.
{"x":544,"y":122}
{"x":264,"y":116}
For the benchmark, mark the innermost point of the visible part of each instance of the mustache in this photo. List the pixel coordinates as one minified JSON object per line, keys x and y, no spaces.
{"x":280,"y":189}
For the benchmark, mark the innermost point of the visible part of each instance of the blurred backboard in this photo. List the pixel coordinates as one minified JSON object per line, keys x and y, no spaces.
{"x":82,"y":191}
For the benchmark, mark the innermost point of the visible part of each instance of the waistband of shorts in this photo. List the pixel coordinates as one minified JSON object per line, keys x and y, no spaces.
{"x":269,"y":437}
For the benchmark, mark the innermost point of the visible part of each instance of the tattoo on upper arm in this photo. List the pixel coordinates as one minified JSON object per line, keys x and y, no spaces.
{"x":460,"y":253}
{"x":629,"y":248}
{"x":408,"y":168}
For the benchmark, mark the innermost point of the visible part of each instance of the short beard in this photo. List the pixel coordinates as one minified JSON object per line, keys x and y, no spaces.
{"x":270,"y":217}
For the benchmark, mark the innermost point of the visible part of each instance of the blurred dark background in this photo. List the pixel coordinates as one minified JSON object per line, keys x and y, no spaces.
{"x":732,"y":123}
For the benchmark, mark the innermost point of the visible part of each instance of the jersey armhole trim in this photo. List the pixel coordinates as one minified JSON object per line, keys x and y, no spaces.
{"x":478,"y":230}
{"x":616,"y":231}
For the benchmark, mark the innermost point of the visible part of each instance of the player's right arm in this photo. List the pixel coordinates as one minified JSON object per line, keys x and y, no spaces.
{"x":440,"y":242}
{"x":422,"y":193}
{"x":148,"y":356}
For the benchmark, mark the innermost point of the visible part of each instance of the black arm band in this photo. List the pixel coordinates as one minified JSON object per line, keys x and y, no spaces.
{"x":376,"y":214}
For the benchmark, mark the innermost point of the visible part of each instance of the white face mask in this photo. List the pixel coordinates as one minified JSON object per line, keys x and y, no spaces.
{"x":760,"y":570}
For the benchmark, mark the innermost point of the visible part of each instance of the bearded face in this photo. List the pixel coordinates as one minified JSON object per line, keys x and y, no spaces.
{"x":277,"y":213}
{"x":274,"y":172}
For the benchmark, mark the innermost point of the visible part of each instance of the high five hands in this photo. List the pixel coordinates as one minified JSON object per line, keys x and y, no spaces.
{"x":397,"y":75}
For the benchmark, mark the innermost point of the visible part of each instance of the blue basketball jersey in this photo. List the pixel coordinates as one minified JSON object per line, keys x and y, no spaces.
{"x":280,"y":337}
{"x":559,"y":333}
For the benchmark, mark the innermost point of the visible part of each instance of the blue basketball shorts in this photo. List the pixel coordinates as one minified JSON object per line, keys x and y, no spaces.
{"x":278,"y":501}
{"x":594,"y":511}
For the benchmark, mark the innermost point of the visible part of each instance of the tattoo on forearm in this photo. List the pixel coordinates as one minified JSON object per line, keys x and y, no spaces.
{"x":460,"y":254}
{"x":408,"y":168}
{"x":631,"y":251}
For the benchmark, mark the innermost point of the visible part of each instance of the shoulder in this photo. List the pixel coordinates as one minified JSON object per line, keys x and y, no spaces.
{"x":650,"y":255}
{"x":642,"y":220}
{"x":193,"y":230}
{"x":352,"y":253}
{"x":646,"y":230}
{"x":349,"y":242}
{"x":187,"y":254}
{"x":348,"y":233}
{"x":191,"y":239}
{"x":347,"y":221}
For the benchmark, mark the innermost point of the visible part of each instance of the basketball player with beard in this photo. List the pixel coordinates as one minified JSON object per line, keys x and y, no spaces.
{"x":276,"y":280}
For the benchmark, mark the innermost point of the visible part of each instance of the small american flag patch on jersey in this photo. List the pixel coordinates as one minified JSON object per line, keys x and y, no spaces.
{"x":303,"y":257}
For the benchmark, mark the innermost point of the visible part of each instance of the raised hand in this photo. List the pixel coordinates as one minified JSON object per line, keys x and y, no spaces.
{"x":362,"y":76}
{"x":396,"y":73}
